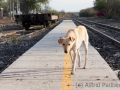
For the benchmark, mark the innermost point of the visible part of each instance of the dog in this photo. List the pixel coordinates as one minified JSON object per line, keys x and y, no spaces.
{"x":71,"y":44}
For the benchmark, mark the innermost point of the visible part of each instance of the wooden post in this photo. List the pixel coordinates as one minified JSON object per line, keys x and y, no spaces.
{"x":10,"y":10}
{"x":1,"y":13}
{"x":13,"y":10}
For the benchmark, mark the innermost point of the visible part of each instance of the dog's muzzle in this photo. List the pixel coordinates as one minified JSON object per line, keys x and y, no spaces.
{"x":65,"y":52}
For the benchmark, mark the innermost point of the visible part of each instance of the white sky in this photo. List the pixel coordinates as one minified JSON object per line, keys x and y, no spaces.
{"x":70,"y":5}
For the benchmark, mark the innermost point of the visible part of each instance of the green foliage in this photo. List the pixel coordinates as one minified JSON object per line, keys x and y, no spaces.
{"x":14,"y":39}
{"x":4,"y":5}
{"x":89,"y":12}
{"x":100,"y":4}
{"x":116,"y":16}
{"x":111,"y":6}
{"x":108,"y":15}
{"x":112,"y":15}
{"x":1,"y":2}
{"x":27,"y":5}
{"x":41,"y":6}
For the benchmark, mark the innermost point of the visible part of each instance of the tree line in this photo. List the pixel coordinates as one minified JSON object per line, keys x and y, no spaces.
{"x":105,"y":8}
{"x":26,"y":6}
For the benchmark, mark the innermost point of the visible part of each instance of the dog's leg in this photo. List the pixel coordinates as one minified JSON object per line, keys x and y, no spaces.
{"x":86,"y":52}
{"x":71,"y":56}
{"x":79,"y":58}
{"x":74,"y":63}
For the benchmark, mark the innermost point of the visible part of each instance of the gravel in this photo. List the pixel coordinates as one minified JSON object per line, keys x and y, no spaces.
{"x":111,"y":22}
{"x":106,"y":49}
{"x":11,"y":27}
{"x":105,"y":30}
{"x":1,"y":64}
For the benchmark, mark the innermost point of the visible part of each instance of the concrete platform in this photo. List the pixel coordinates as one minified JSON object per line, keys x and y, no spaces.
{"x":45,"y":67}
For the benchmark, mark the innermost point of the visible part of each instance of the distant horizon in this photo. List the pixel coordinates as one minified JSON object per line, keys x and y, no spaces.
{"x":70,"y":5}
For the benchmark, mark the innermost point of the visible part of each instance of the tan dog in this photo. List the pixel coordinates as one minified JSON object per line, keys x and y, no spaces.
{"x":72,"y":42}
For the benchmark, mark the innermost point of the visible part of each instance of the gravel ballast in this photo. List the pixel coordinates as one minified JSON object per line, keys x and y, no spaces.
{"x":111,"y":22}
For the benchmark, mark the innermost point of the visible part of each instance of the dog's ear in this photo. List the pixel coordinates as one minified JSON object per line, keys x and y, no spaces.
{"x":60,"y":40}
{"x":72,"y":38}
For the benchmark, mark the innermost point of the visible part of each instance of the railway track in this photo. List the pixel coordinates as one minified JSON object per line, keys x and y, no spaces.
{"x":103,"y":25}
{"x":103,"y":30}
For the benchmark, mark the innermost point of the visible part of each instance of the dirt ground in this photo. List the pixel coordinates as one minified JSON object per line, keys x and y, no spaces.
{"x":7,"y":21}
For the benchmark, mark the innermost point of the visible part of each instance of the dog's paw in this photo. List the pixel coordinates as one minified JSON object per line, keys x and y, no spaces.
{"x":75,"y":69}
{"x":78,"y":65}
{"x":84,"y":67}
{"x":72,"y":73}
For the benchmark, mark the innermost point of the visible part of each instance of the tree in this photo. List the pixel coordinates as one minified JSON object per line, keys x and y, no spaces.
{"x":27,"y":5}
{"x":110,"y":6}
{"x":113,"y":6}
{"x":100,"y":4}
{"x":89,"y":12}
{"x":4,"y":5}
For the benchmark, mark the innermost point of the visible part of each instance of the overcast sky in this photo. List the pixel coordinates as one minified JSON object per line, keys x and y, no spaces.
{"x":70,"y":5}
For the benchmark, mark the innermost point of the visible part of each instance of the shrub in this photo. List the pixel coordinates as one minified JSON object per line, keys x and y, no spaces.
{"x":100,"y":4}
{"x":116,"y":16}
{"x":101,"y":13}
{"x":89,"y":12}
{"x":14,"y":39}
{"x":112,"y":16}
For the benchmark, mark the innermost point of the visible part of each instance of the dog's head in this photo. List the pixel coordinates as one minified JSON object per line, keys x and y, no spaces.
{"x":67,"y":43}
